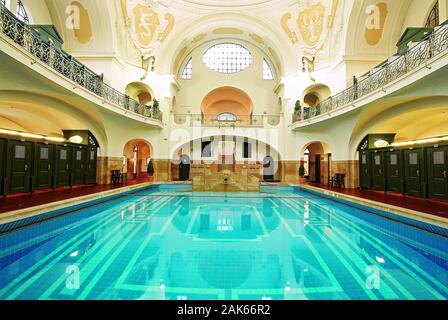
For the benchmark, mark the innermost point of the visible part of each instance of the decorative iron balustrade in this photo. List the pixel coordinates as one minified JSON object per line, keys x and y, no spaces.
{"x":199,"y":120}
{"x":397,"y":66}
{"x":26,"y":37}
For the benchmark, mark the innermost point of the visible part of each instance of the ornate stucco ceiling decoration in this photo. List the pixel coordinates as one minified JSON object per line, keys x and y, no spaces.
{"x":221,"y":31}
{"x":198,"y":38}
{"x":257,"y":38}
{"x":226,"y":4}
{"x":149,"y":24}
{"x":309,"y":23}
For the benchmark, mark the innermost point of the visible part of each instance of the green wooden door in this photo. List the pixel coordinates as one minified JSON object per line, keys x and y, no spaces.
{"x":79,"y":165}
{"x":413,"y":164}
{"x":91,"y":165}
{"x":378,"y":175}
{"x":43,"y":166}
{"x":437,"y":161}
{"x":63,"y":166}
{"x":394,"y":171}
{"x":2,"y":165}
{"x":364,"y":170}
{"x":19,"y":163}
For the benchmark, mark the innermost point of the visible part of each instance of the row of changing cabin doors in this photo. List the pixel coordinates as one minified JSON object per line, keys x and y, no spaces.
{"x":421,"y":172}
{"x":27,"y":166}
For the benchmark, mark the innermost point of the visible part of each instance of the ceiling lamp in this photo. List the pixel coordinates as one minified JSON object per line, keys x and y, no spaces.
{"x":76,"y":139}
{"x":381,"y":144}
{"x":30,"y":135}
{"x":422,"y":141}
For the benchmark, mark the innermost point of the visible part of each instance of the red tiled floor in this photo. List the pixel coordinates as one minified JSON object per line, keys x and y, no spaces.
{"x":431,"y":206}
{"x":22,"y":201}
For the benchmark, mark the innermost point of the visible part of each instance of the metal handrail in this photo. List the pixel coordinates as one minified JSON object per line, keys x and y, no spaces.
{"x":397,"y":66}
{"x":29,"y":39}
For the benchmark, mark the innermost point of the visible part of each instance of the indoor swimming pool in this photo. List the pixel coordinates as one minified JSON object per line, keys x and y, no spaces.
{"x":168,"y":243}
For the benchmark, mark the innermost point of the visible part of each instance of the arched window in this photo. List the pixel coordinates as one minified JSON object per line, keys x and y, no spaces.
{"x":187,"y":73}
{"x":227,"y":117}
{"x":21,"y":13}
{"x":433,"y":18}
{"x":267,"y":71}
{"x":227,"y":58}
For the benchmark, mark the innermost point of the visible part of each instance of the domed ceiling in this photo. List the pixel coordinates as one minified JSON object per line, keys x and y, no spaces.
{"x":285,"y":30}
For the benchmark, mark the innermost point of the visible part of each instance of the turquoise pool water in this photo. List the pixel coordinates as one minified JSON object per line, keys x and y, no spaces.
{"x":167,"y":242}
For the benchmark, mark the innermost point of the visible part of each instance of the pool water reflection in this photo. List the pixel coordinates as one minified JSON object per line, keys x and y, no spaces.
{"x":171,"y":243}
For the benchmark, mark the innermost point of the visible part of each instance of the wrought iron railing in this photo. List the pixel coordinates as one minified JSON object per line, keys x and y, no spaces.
{"x":212,"y":121}
{"x":200,"y":120}
{"x":30,"y":40}
{"x":397,"y":66}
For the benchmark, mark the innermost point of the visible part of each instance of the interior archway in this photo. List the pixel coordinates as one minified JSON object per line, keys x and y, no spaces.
{"x":137,"y":154}
{"x":315,"y":157}
{"x":140,"y":92}
{"x":226,"y":100}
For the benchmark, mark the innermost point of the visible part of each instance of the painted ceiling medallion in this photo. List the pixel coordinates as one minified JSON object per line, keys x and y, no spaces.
{"x":146,"y":28}
{"x":313,"y":20}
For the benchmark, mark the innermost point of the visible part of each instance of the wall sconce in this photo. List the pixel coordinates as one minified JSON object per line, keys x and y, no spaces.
{"x":308,"y":64}
{"x":148,"y":63}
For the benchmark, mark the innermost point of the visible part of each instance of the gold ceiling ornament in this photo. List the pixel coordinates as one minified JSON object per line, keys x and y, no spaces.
{"x":228,"y":31}
{"x":198,"y":38}
{"x":313,"y":21}
{"x":332,"y":15}
{"x":284,"y":22}
{"x":169,"y":27}
{"x":257,"y":38}
{"x":147,"y":30}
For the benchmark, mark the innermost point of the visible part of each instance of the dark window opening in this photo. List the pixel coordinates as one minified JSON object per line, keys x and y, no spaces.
{"x":247,"y":150}
{"x":206,"y":149}
{"x":433,"y":18}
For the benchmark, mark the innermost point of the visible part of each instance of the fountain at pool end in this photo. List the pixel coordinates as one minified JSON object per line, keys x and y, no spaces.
{"x":226,"y":180}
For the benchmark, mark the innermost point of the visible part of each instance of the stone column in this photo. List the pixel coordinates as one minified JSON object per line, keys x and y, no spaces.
{"x":291,"y":171}
{"x":161,"y":170}
{"x":105,"y":165}
{"x":351,"y":170}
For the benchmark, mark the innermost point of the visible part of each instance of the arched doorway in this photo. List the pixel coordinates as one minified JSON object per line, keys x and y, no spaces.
{"x":268,"y":169}
{"x":137,"y":154}
{"x":184,"y":168}
{"x":316,"y":158}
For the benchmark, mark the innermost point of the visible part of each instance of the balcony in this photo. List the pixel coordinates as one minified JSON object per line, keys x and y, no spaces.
{"x":200,"y":120}
{"x":26,"y":38}
{"x":420,"y":56}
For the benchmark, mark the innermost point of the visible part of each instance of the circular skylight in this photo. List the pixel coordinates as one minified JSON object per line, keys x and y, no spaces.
{"x":227,"y":58}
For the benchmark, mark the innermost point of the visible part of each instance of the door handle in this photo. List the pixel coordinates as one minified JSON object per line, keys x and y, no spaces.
{"x":26,"y":167}
{"x":49,"y":167}
{"x":396,"y":172}
{"x":444,"y":174}
{"x":418,"y":173}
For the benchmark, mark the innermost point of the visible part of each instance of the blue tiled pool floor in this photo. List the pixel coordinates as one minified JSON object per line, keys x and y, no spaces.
{"x":167,"y":242}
